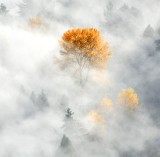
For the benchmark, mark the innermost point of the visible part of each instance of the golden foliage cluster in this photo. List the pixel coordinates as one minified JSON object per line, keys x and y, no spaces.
{"x":95,"y":117}
{"x":86,"y":43}
{"x":107,"y":102}
{"x":35,"y":22}
{"x":129,"y":98}
{"x":107,"y":105}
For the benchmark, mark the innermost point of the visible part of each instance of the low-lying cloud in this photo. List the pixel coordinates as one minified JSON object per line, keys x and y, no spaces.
{"x":35,"y":92}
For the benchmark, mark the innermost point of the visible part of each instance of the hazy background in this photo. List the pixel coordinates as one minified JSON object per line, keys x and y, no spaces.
{"x":35,"y":92}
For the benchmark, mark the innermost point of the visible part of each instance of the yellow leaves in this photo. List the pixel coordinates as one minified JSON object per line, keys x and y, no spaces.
{"x":89,"y":42}
{"x":34,"y":22}
{"x":107,"y":102}
{"x":129,"y":98}
{"x":95,"y":117}
{"x":106,"y":106}
{"x":85,"y":47}
{"x":96,"y":121}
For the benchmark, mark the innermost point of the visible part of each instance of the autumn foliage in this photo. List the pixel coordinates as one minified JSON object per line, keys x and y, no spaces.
{"x":86,"y":48}
{"x":106,"y":105}
{"x":95,"y":117}
{"x":129,"y":98}
{"x":34,"y":22}
{"x":85,"y":45}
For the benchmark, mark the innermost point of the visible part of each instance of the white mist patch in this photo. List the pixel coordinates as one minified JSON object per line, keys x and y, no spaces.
{"x":35,"y":92}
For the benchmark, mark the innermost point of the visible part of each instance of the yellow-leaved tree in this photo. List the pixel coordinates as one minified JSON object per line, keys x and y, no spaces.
{"x":86,"y":48}
{"x":35,"y":22}
{"x":95,"y":117}
{"x":128,"y":98}
{"x":106,"y":105}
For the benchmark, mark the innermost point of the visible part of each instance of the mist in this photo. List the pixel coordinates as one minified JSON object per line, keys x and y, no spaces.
{"x":36,"y":92}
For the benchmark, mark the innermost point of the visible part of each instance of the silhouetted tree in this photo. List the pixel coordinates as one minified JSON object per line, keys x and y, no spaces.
{"x":24,"y":7}
{"x":108,"y":12}
{"x":135,"y":12}
{"x":157,"y":42}
{"x":42,"y":101}
{"x":69,"y":113}
{"x":122,"y":21}
{"x":39,"y":101}
{"x":109,"y":8}
{"x":33,"y":97}
{"x":71,"y":127}
{"x":124,"y":8}
{"x":69,"y":122}
{"x":65,"y":142}
{"x":158,"y":31}
{"x":3,"y":9}
{"x":65,"y":149}
{"x":148,"y":32}
{"x":33,"y":8}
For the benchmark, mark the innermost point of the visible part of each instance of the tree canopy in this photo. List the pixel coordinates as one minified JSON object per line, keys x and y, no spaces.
{"x":86,"y":48}
{"x":85,"y":45}
{"x":129,"y":98}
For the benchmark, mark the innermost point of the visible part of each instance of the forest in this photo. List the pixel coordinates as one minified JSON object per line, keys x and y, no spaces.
{"x":79,"y":78}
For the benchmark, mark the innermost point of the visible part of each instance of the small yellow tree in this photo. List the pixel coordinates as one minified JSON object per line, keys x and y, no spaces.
{"x":129,"y":98}
{"x":106,"y":105}
{"x":95,"y":117}
{"x":35,"y":22}
{"x":86,"y":47}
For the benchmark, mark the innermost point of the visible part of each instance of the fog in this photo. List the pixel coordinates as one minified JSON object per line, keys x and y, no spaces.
{"x":35,"y":92}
